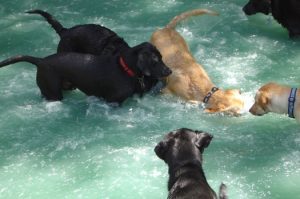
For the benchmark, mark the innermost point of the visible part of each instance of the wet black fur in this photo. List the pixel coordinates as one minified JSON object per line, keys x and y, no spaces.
{"x":88,"y":38}
{"x":100,"y":76}
{"x":286,"y":12}
{"x":182,"y":150}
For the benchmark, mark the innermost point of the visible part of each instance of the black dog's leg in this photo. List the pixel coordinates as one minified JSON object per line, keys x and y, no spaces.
{"x":66,"y":45}
{"x":50,"y":85}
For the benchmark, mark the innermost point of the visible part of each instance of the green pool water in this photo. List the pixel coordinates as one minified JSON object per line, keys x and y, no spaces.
{"x":84,"y":148}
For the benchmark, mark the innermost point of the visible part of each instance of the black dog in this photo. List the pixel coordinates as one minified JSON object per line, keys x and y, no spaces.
{"x":114,"y":78}
{"x":182,"y":151}
{"x":286,"y":12}
{"x":92,"y":39}
{"x":87,"y":38}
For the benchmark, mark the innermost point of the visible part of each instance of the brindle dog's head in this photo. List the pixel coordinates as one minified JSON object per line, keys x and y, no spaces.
{"x":182,"y":145}
{"x":255,"y":6}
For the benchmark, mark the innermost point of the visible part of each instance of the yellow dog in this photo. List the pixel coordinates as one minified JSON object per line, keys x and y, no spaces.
{"x":276,"y":98}
{"x":189,"y":80}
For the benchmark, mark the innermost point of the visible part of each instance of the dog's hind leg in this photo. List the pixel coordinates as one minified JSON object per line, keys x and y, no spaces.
{"x":50,"y":85}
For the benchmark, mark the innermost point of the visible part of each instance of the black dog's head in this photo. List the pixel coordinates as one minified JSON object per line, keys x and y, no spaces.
{"x":150,"y":61}
{"x":182,"y":145}
{"x":255,"y":6}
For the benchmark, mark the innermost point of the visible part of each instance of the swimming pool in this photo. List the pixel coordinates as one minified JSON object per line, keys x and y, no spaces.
{"x":84,"y":148}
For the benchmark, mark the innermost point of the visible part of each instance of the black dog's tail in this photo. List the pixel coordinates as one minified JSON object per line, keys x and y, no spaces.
{"x":223,"y":191}
{"x":20,"y":58}
{"x":50,"y":19}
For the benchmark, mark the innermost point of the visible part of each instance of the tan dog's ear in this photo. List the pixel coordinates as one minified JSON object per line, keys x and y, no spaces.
{"x":261,"y":98}
{"x":264,"y":100}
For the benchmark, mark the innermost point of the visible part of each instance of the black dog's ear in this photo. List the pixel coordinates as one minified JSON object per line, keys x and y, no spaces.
{"x":161,"y":149}
{"x":142,"y":63}
{"x":202,"y":140}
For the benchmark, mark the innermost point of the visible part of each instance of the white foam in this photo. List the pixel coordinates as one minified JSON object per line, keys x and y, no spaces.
{"x":54,"y":106}
{"x":248,"y":101}
{"x":158,"y":6}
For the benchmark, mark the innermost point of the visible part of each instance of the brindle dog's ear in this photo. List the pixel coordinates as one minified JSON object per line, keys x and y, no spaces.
{"x":202,"y":140}
{"x":161,"y":149}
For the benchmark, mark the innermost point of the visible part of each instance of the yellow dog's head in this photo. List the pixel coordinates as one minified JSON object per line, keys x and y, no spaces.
{"x":263,"y":98}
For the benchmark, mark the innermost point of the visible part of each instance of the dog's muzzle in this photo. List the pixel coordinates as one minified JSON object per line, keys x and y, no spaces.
{"x":166,"y":72}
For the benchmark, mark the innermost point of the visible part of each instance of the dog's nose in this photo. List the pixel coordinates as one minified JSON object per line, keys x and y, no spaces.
{"x":167,"y":71}
{"x":252,"y":111}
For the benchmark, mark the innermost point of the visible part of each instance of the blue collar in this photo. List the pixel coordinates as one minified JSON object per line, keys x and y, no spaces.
{"x":292,"y":99}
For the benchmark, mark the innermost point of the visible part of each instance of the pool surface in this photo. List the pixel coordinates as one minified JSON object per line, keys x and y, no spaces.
{"x":84,"y":148}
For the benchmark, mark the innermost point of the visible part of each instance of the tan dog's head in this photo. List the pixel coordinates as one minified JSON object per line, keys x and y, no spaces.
{"x":229,"y":101}
{"x":263,"y":96}
{"x":260,"y":107}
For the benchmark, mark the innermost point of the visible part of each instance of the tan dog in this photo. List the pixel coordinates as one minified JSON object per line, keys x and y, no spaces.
{"x":189,"y":80}
{"x":274,"y":98}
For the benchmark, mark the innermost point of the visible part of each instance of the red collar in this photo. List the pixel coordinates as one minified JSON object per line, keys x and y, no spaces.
{"x":126,"y":68}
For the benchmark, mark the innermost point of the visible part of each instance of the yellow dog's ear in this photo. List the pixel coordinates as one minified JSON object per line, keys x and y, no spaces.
{"x":264,"y":100}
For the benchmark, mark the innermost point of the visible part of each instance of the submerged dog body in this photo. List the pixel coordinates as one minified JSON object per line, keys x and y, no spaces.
{"x":114,"y":78}
{"x":189,"y":80}
{"x":286,"y":12}
{"x":273,"y":97}
{"x":182,"y":151}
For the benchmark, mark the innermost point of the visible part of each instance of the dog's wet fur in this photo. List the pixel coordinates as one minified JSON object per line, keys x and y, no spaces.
{"x":286,"y":12}
{"x":100,"y":76}
{"x":182,"y":151}
{"x":86,"y":38}
{"x":89,"y":39}
{"x":273,"y":97}
{"x":189,"y":79}
{"x":89,"y":58}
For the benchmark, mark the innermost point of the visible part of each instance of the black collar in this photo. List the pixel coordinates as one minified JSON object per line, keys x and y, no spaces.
{"x":210,"y":93}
